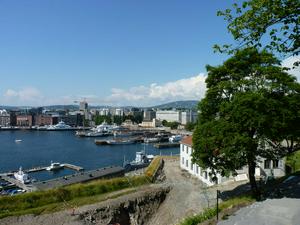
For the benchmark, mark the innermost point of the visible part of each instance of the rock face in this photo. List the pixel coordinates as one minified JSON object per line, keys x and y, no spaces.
{"x":133,"y":209}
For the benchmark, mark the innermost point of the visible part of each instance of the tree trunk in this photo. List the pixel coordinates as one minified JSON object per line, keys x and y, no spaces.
{"x":251,"y":171}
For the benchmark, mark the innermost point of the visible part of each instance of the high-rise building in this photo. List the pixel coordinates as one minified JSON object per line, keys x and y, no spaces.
{"x":83,"y":106}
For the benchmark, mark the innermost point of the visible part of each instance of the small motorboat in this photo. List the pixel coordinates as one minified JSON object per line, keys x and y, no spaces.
{"x":54,"y":166}
{"x":18,"y":140}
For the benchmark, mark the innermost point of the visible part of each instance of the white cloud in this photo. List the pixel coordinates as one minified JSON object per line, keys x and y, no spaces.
{"x":24,"y":96}
{"x":288,"y":62}
{"x":192,"y":88}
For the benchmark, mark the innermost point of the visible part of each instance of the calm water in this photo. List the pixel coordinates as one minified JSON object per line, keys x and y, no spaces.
{"x":38,"y":148}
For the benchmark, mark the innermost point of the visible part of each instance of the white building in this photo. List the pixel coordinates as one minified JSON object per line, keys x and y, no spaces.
{"x":104,"y":112}
{"x":264,"y":167}
{"x":169,"y":115}
{"x":151,"y":124}
{"x":188,"y":117}
{"x":118,"y":112}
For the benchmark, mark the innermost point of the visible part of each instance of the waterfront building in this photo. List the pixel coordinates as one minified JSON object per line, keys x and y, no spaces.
{"x":4,"y":118}
{"x":24,"y":120}
{"x":151,"y":124}
{"x":265,"y":167}
{"x":169,"y":115}
{"x":42,"y":120}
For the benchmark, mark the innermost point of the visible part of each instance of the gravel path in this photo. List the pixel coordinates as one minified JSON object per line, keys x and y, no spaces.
{"x":188,"y":196}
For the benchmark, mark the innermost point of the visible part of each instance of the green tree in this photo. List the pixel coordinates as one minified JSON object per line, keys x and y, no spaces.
{"x":250,"y":107}
{"x":100,"y":119}
{"x":251,"y":21}
{"x":190,"y":126}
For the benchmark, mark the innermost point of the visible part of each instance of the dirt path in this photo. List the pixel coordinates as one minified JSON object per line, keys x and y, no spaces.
{"x":188,"y":196}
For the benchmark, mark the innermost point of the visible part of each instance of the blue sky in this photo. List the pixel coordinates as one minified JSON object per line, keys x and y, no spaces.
{"x":115,"y":52}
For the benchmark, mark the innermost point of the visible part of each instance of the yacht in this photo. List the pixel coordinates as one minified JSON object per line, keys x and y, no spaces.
{"x":22,"y":177}
{"x":175,"y":138}
{"x":60,"y":126}
{"x":54,"y":166}
{"x":102,"y":130}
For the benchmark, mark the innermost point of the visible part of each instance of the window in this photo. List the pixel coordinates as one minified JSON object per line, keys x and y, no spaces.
{"x":267,"y":164}
{"x":182,"y":160}
{"x":187,"y":149}
{"x":182,"y":148}
{"x":187,"y":163}
{"x":197,"y":169}
{"x":204,"y":174}
{"x":275,"y":164}
{"x":192,"y":166}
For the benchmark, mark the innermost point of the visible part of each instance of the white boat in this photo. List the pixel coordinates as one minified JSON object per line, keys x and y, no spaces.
{"x":175,"y":138}
{"x":60,"y":126}
{"x":141,"y":160}
{"x":151,"y":140}
{"x":54,"y":166}
{"x":22,"y":177}
{"x":18,"y":140}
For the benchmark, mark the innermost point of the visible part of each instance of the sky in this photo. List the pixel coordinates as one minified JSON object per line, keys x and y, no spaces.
{"x":109,"y":52}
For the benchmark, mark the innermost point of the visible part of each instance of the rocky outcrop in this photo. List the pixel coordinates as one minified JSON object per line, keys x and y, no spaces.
{"x":132,"y":209}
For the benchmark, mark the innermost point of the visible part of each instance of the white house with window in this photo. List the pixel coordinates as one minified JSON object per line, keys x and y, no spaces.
{"x":264,"y":167}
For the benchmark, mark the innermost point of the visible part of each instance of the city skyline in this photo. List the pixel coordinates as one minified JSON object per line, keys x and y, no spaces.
{"x":108,"y":52}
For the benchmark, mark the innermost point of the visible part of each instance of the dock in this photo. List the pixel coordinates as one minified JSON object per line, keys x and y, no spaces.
{"x":27,"y":188}
{"x":166,"y":145}
{"x":82,"y":177}
{"x":72,"y":167}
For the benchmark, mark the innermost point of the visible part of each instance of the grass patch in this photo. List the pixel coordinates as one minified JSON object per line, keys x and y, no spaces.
{"x":209,"y":213}
{"x":74,"y":195}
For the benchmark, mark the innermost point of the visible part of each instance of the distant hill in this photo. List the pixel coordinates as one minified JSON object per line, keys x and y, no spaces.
{"x":190,"y":104}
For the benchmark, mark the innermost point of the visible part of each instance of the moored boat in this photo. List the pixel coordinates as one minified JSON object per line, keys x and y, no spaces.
{"x":22,"y":177}
{"x":54,"y":166}
{"x":120,"y":142}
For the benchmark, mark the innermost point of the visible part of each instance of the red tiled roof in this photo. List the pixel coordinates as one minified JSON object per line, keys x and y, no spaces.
{"x":188,"y":140}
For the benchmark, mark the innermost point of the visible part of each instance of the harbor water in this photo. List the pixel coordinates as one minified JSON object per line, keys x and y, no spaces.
{"x":39,"y":148}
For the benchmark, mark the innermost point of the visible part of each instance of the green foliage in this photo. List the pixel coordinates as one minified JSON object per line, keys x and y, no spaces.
{"x":211,"y":212}
{"x":251,"y":106}
{"x":205,"y":215}
{"x":190,"y":126}
{"x":100,"y":119}
{"x":293,"y":161}
{"x":172,"y":125}
{"x":250,"y":21}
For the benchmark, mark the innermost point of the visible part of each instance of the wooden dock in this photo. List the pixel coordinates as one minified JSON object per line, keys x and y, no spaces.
{"x":166,"y":145}
{"x":72,"y":167}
